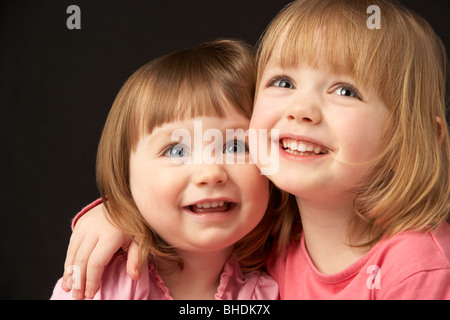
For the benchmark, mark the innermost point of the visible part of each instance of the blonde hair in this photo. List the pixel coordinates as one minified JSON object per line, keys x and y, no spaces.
{"x":405,"y":63}
{"x":199,"y":81}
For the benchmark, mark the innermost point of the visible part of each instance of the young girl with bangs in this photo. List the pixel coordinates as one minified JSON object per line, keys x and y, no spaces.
{"x":200,"y":227}
{"x":364,"y":152}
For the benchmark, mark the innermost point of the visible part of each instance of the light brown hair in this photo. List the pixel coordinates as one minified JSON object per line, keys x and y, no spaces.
{"x":405,"y":63}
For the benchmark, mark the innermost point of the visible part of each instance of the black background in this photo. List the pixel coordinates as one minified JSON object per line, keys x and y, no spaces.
{"x":56,"y":88}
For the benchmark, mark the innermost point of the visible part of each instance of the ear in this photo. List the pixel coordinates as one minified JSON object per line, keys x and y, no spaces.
{"x":441,"y":127}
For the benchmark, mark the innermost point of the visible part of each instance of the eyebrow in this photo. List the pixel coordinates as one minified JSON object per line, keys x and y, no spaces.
{"x":272,"y":68}
{"x":160,"y":134}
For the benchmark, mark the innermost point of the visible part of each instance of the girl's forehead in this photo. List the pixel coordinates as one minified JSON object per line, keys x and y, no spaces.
{"x":230,"y":120}
{"x":316,"y":53}
{"x":198,"y":127}
{"x":280,"y":61}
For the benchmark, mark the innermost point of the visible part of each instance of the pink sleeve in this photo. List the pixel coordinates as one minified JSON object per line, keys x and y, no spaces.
{"x":85,"y":209}
{"x":424,"y":285}
{"x":266,"y":289}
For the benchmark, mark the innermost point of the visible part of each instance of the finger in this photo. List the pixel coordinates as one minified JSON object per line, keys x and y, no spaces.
{"x":74,"y":244}
{"x":133,"y":269}
{"x":100,"y":257}
{"x":80,"y":264}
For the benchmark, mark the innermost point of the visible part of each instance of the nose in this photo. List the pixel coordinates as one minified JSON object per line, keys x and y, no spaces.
{"x":304,"y":109}
{"x":210,"y":175}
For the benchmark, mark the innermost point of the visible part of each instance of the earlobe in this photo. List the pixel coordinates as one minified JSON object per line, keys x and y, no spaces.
{"x":441,"y":127}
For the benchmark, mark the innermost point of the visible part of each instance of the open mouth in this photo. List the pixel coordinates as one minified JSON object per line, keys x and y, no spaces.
{"x":302,"y":148}
{"x":211,"y":206}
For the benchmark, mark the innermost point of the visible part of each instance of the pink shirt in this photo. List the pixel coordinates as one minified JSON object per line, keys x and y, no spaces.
{"x":409,"y":265}
{"x":117,"y":285}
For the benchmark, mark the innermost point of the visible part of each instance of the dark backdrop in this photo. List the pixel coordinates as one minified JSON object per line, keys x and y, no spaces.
{"x":56,"y":88}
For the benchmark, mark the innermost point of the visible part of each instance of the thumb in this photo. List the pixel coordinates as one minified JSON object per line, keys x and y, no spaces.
{"x":133,"y":269}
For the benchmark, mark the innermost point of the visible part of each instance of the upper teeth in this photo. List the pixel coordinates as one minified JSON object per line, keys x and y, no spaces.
{"x":302,"y":146}
{"x":212,"y":204}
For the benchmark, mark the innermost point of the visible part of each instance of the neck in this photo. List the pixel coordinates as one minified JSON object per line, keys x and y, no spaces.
{"x":328,"y":237}
{"x":199,"y":278}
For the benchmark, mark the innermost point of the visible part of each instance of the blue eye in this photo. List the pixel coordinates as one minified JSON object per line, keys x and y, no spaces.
{"x":235,"y":146}
{"x":176,"y":151}
{"x":348,"y":91}
{"x":281,"y":83}
{"x":345,"y":92}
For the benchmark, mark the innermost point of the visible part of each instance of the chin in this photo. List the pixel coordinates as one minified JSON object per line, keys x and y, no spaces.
{"x":212,"y":243}
{"x":289,"y":183}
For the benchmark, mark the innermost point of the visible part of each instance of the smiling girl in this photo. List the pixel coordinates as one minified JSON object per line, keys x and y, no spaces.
{"x":193,"y":222}
{"x":364,"y":150}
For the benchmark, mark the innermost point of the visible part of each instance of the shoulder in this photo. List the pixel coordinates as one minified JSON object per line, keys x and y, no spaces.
{"x":415,"y":265}
{"x":264,"y":287}
{"x":254,"y":285}
{"x":418,"y":250}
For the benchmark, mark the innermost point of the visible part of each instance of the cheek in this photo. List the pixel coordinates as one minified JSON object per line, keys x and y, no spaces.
{"x":263,"y":115}
{"x":144,"y":194}
{"x":155,"y":198}
{"x":148,"y":186}
{"x":360,"y":138}
{"x":254,"y":190}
